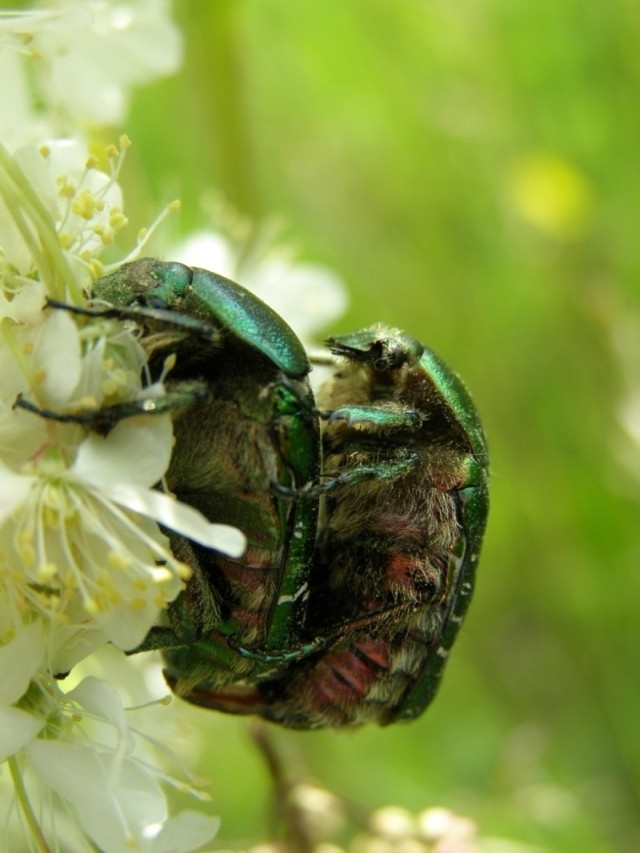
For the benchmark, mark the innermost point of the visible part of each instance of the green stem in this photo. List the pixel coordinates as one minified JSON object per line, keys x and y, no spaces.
{"x":25,"y":804}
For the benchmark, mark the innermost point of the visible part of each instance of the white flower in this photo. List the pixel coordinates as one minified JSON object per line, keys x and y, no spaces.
{"x":94,"y":762}
{"x":308,"y":296}
{"x":78,"y":61}
{"x":20,"y":659}
{"x":79,"y":542}
{"x":83,"y":203}
{"x":77,"y":533}
{"x":83,"y":560}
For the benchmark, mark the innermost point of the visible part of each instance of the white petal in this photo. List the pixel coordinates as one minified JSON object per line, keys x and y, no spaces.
{"x":14,"y":489}
{"x":180,"y":517}
{"x":127,"y":624}
{"x":17,"y":729}
{"x":70,"y":644}
{"x":101,"y":700}
{"x":57,"y":355}
{"x":19,"y":661}
{"x":92,"y":67}
{"x":137,"y":450}
{"x":184,"y":832}
{"x":116,"y":804}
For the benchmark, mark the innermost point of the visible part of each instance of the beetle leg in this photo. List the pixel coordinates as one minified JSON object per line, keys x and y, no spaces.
{"x":290,"y":656}
{"x":187,"y":394}
{"x":388,"y":469}
{"x":376,"y":419}
{"x":141,"y":314}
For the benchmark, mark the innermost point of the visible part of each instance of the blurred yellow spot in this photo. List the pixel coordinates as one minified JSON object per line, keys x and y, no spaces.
{"x":551,"y":194}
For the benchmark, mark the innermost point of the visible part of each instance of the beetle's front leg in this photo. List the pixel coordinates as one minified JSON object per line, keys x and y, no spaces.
{"x":144,"y":315}
{"x":183,"y":396}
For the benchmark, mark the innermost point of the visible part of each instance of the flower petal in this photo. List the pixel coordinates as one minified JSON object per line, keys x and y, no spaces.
{"x":137,"y":450}
{"x":179,"y":517}
{"x":57,"y":351}
{"x":184,"y":832}
{"x":17,"y":729}
{"x":19,"y":661}
{"x":102,"y":701}
{"x":72,"y":643}
{"x":116,"y":804}
{"x":14,"y":489}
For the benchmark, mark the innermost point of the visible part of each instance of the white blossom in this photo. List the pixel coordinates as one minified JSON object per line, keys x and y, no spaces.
{"x":64,"y":67}
{"x":83,"y":203}
{"x":83,"y":560}
{"x":98,"y":767}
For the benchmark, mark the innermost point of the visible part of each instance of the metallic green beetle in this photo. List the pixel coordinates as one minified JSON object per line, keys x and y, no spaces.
{"x":244,"y":425}
{"x":406,"y":503}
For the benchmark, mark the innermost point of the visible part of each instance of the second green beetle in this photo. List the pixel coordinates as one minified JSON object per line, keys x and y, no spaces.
{"x":405,"y":494}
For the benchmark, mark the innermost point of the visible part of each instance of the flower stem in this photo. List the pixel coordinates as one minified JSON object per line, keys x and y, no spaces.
{"x":25,"y":804}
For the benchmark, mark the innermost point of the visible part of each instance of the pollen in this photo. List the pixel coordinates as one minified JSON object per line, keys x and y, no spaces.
{"x":161,"y":602}
{"x":184,"y":571}
{"x":46,"y":572}
{"x":88,"y":402}
{"x":119,"y":560}
{"x":105,"y":236}
{"x":162,"y":575}
{"x":138,"y":604}
{"x":117,"y":220}
{"x":66,"y":189}
{"x":85,"y":205}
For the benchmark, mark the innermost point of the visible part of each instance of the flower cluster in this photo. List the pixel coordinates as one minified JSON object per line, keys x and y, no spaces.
{"x":72,"y":65}
{"x":85,"y":567}
{"x":82,"y":558}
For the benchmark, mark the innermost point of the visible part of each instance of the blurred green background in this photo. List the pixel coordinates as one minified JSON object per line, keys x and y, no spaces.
{"x":471,"y":169}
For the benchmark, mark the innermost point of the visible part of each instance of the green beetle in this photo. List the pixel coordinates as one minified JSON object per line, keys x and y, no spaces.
{"x":404,"y":493}
{"x":244,"y":425}
{"x":405,"y":508}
